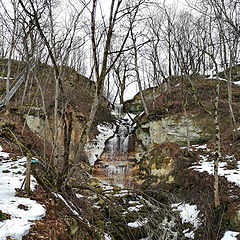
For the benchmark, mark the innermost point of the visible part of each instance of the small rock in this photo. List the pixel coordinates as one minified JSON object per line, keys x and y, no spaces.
{"x":14,"y":167}
{"x":4,"y":216}
{"x":5,"y":171}
{"x":116,"y":188}
{"x":14,"y":159}
{"x":24,"y":207}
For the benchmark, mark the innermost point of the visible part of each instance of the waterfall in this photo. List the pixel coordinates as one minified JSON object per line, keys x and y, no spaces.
{"x":118,"y":110}
{"x":114,"y":168}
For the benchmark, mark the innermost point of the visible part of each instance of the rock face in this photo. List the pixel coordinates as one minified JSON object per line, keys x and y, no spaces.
{"x":44,"y":129}
{"x":175,"y":129}
{"x":162,"y":163}
{"x":36,"y":124}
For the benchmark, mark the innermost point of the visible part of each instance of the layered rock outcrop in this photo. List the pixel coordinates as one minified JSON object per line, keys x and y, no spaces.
{"x":175,"y":129}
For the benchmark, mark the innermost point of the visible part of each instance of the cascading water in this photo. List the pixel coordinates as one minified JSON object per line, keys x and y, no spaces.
{"x":118,"y":158}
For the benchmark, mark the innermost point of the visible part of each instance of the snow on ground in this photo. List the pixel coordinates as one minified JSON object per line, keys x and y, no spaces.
{"x":224,"y":79}
{"x":5,"y":78}
{"x":3,"y":154}
{"x":232,"y":175}
{"x":206,"y":164}
{"x":95,"y":147}
{"x":237,"y":82}
{"x":135,"y":208}
{"x":204,"y":146}
{"x":107,"y":237}
{"x":138,"y":223}
{"x":188,"y":214}
{"x":11,"y":177}
{"x":229,"y":235}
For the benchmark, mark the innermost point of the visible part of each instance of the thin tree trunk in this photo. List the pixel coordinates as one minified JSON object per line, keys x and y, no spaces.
{"x":232,"y":117}
{"x":87,"y":128}
{"x":67,"y":118}
{"x":138,"y":74}
{"x":28,"y":175}
{"x":217,"y":145}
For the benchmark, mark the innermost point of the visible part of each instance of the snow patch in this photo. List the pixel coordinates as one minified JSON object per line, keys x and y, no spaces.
{"x":5,"y":78}
{"x":230,"y":235}
{"x":237,"y":82}
{"x":107,"y":237}
{"x":204,"y":146}
{"x":3,"y":154}
{"x":135,"y":208}
{"x":80,"y":195}
{"x":188,"y":214}
{"x":20,"y":222}
{"x":138,"y":223}
{"x":232,"y":175}
{"x":238,"y":129}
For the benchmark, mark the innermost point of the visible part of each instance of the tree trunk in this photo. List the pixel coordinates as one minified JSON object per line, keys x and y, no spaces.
{"x":137,"y":73}
{"x":217,"y":145}
{"x":28,"y":175}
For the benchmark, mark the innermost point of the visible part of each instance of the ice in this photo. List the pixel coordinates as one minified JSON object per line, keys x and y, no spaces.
{"x":95,"y":148}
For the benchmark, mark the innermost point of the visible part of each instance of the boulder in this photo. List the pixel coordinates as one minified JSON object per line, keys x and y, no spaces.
{"x":162,"y":162}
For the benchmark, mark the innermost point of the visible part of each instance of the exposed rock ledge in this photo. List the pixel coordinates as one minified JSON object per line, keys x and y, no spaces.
{"x":175,"y":129}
